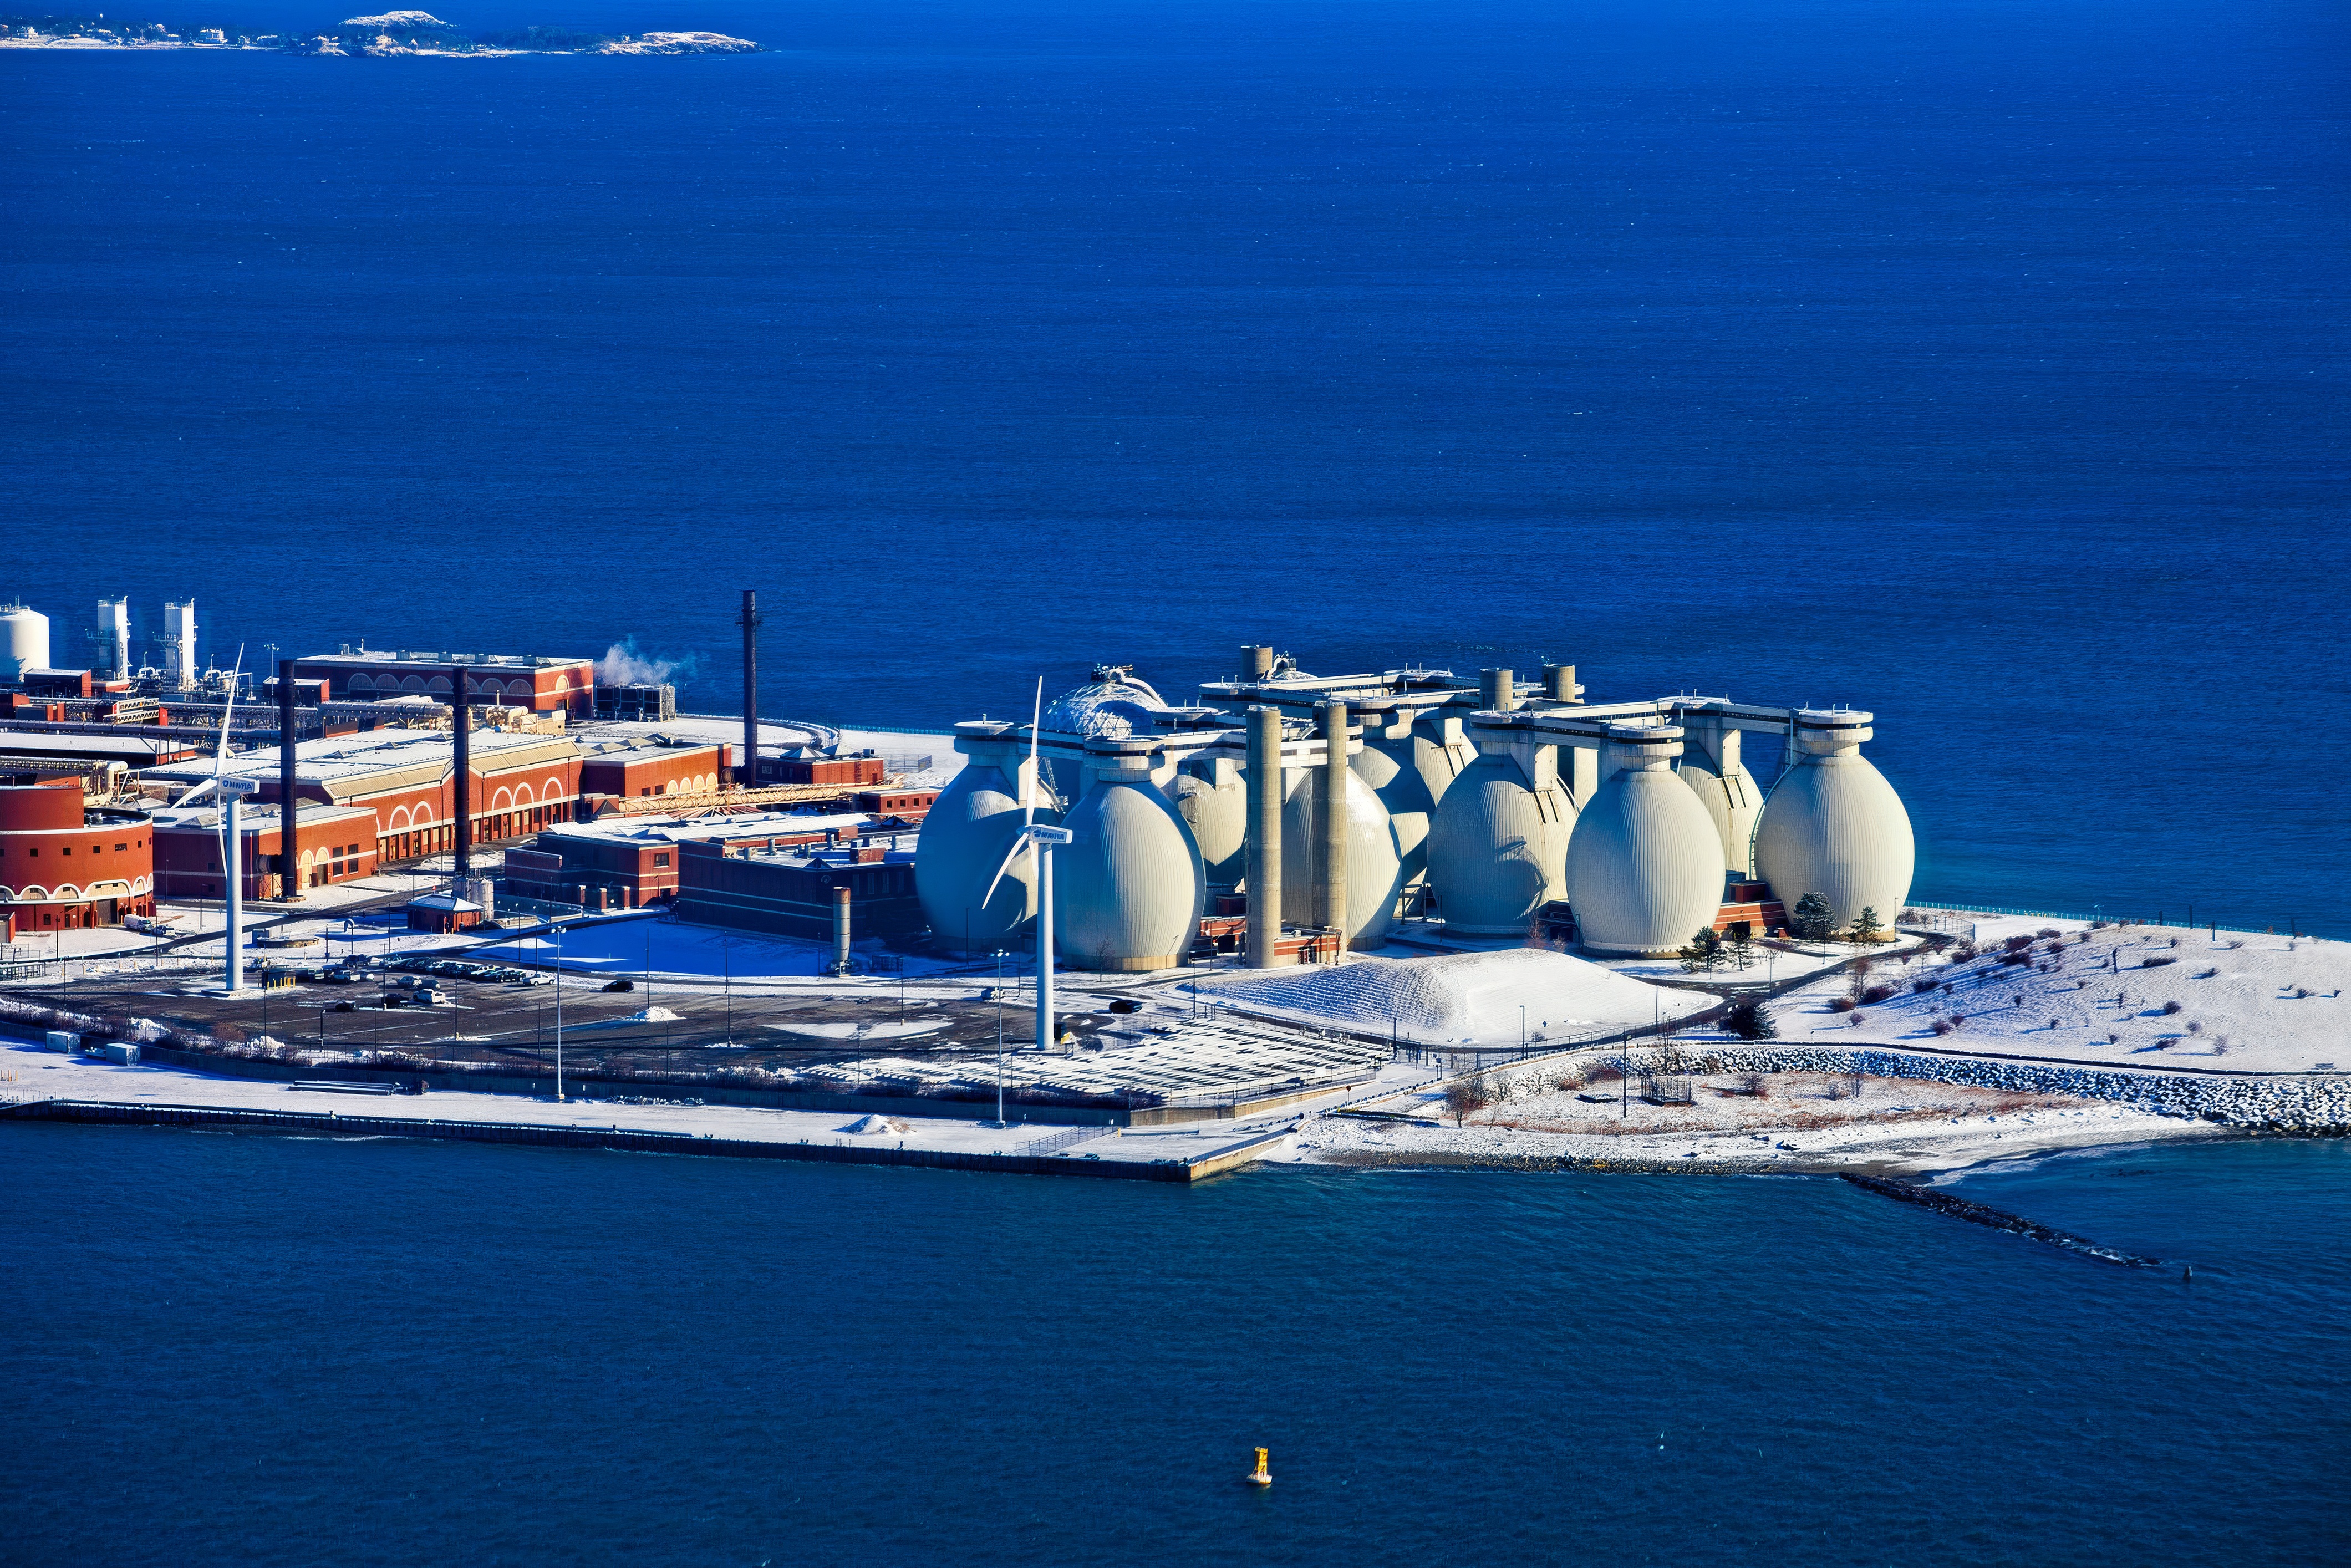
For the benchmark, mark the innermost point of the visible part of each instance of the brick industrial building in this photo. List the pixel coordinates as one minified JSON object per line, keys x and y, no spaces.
{"x":67,"y":863}
{"x":791,"y":892}
{"x":333,"y":843}
{"x":523,"y":681}
{"x":626,"y":864}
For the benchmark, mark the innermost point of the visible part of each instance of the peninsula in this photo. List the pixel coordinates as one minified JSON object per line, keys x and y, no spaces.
{"x":393,"y":33}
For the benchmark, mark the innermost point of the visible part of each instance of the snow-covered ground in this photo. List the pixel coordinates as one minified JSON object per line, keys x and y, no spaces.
{"x":2128,"y":996}
{"x":1462,"y":999}
{"x":676,"y":950}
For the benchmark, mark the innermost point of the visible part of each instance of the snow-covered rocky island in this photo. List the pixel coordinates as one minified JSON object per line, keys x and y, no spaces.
{"x":391,"y":33}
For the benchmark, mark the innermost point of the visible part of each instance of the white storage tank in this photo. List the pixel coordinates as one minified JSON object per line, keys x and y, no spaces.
{"x":1213,"y":803}
{"x":1375,"y":869}
{"x":1129,"y":886}
{"x":180,"y":643}
{"x":1410,"y":763}
{"x":1835,"y":826}
{"x":1115,"y":706}
{"x":964,"y":838}
{"x":1713,"y":767}
{"x":1498,"y":852}
{"x":24,"y":641}
{"x":1645,"y":866}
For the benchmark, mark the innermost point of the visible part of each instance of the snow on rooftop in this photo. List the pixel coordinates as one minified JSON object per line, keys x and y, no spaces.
{"x":1472,"y":996}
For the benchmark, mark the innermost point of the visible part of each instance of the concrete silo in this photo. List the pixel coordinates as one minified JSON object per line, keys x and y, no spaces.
{"x":1211,"y":798}
{"x":964,"y":839}
{"x":1369,"y":869}
{"x":1410,"y":759}
{"x":1645,"y":865}
{"x":1835,"y":826}
{"x":1128,"y":887}
{"x":1497,"y":851}
{"x":1712,"y":766}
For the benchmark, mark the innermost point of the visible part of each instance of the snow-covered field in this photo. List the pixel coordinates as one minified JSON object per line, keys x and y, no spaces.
{"x":1460,"y":999}
{"x":2128,"y":996}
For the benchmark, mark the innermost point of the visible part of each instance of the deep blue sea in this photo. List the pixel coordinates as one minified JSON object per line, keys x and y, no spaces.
{"x":1979,"y":362}
{"x":258,"y":1351}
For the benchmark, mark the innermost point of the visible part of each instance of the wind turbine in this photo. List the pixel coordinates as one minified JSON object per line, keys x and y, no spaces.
{"x":232,"y":792}
{"x":1039,"y":841}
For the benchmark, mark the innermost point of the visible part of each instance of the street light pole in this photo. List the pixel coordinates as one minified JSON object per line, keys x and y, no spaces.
{"x":999,"y":1037}
{"x":558,"y":1014}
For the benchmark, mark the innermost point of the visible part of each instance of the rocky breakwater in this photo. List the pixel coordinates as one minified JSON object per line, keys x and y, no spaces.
{"x":2311,"y":1104}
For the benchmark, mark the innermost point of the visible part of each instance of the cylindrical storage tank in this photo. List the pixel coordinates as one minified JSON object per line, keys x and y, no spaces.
{"x":1209,"y":796}
{"x":1835,"y":826}
{"x":964,"y":839}
{"x":24,"y":641}
{"x":1374,"y":870}
{"x":1645,"y":866}
{"x":1498,"y":852}
{"x":1128,"y":887}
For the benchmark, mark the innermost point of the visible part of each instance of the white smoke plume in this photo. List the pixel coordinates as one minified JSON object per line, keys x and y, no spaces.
{"x":624,"y":665}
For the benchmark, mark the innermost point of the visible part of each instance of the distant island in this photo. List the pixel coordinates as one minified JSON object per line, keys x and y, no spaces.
{"x":394,"y":33}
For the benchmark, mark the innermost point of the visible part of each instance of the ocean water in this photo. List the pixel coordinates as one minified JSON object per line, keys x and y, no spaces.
{"x":1977,"y":363}
{"x":263,"y":1350}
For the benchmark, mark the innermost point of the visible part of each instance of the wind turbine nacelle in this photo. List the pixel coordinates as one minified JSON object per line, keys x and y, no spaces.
{"x":237,"y":787}
{"x":1055,"y":836}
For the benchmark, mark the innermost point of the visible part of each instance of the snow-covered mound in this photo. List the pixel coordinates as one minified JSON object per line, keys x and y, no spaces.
{"x":641,"y":1016}
{"x":396,"y":19}
{"x":1463,"y":996}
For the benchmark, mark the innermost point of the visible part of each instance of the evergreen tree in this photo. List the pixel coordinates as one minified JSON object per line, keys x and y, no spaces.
{"x":1703,"y":952}
{"x":1749,"y":1018}
{"x":1865,"y":927}
{"x":1813,"y":919}
{"x":1738,"y":944}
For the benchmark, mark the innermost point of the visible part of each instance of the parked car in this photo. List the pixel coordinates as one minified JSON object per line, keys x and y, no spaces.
{"x":619,"y":985}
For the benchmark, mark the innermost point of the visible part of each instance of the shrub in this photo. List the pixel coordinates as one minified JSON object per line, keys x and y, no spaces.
{"x":1604,"y":1072}
{"x":1875,"y":994}
{"x":1568,"y":1081}
{"x":1942,"y":1026}
{"x":2195,"y":1026}
{"x":2171,"y":1007}
{"x":2017,"y":944}
{"x":2048,"y":930}
{"x":228,"y":1033}
{"x":1468,"y":1097}
{"x":1858,"y":1019}
{"x":2114,"y":1039}
{"x":1841,"y":1003}
{"x":1924,"y":986}
{"x":2017,"y":956}
{"x":1758,"y":1087}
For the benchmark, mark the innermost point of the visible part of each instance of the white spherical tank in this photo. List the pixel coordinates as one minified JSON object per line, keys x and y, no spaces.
{"x":1645,"y":866}
{"x":1410,"y":773}
{"x":1113,"y":706}
{"x":1128,"y":888}
{"x":24,"y":641}
{"x":1213,"y":803}
{"x":1497,"y":851}
{"x":964,"y":839}
{"x":1835,"y":826}
{"x":1375,"y":869}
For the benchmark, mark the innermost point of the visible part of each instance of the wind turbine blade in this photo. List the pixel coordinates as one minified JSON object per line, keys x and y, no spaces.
{"x":1022,"y":842}
{"x":1028,"y":789}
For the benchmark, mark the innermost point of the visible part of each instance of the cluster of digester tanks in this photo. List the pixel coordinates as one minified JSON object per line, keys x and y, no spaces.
{"x":1476,"y":805}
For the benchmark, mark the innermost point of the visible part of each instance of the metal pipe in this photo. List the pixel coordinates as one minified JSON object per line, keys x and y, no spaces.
{"x":841,"y":929}
{"x":1331,"y":884}
{"x":461,"y":726}
{"x":746,"y":771}
{"x":290,"y":844}
{"x":1264,"y":837}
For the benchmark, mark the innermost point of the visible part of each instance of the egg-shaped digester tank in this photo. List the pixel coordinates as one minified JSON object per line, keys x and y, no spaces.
{"x":1713,"y":768}
{"x":1115,"y":706}
{"x":1128,"y":887}
{"x":1645,"y":865}
{"x":965,"y":837}
{"x":1410,"y":762}
{"x":1835,"y":826}
{"x":1498,"y":852}
{"x":1210,"y":797}
{"x":1374,"y":868}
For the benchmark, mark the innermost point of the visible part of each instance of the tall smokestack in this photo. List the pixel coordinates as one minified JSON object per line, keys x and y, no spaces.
{"x":747,"y":772}
{"x":1559,"y":682}
{"x":1264,"y":837}
{"x":841,"y":943}
{"x":1498,"y":689}
{"x":1330,"y":881}
{"x":290,"y":844}
{"x":1257,"y":662}
{"x":461,"y":727}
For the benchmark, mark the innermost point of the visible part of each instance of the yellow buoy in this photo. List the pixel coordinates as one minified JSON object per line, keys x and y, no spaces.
{"x":1261,"y":1477}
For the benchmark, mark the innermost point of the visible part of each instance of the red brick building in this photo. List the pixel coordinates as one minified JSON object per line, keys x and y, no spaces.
{"x":522,"y":783}
{"x":525,"y":681}
{"x":334,"y":843}
{"x":66,"y":863}
{"x":651,"y":768}
{"x":790,"y":892}
{"x":627,"y":862}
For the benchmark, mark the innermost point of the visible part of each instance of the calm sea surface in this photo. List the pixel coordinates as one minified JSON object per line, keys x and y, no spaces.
{"x":257,"y":1350}
{"x":1975,"y":361}
{"x":1979,"y":363}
